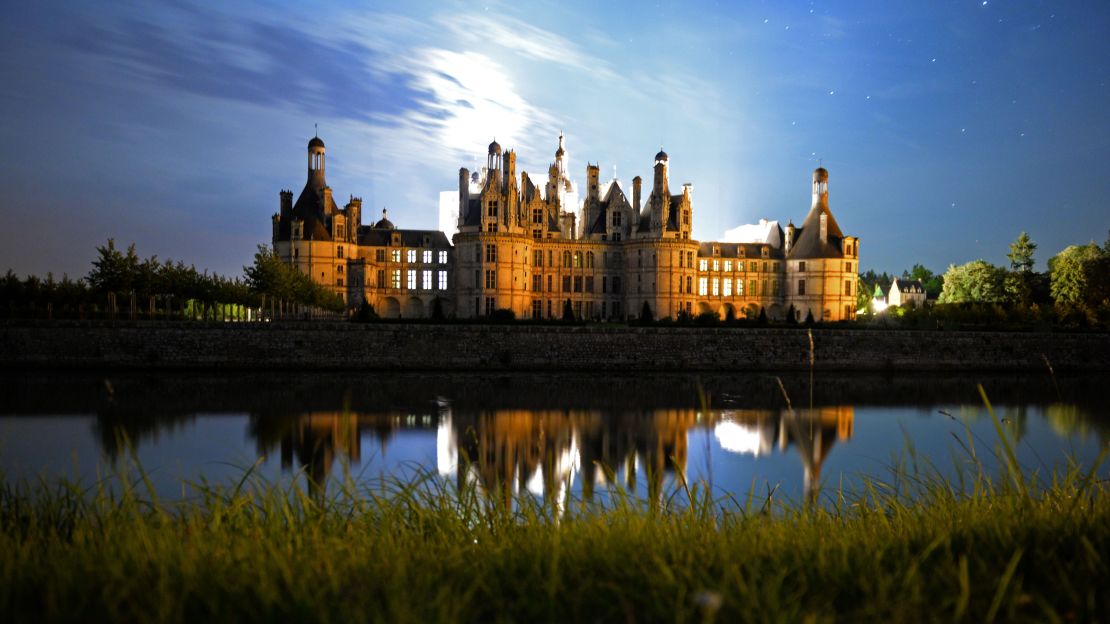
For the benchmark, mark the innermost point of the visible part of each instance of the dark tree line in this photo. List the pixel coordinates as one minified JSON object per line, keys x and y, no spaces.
{"x":120,"y":282}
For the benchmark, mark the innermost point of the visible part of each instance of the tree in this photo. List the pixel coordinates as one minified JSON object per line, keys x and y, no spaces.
{"x":568,"y":311}
{"x":863,"y":300}
{"x":1018,"y":283}
{"x":113,"y":271}
{"x":792,"y":315}
{"x":645,"y":313}
{"x":1021,"y":254}
{"x":977,"y":281}
{"x":809,"y":317}
{"x":932,"y":282}
{"x":1077,"y":274}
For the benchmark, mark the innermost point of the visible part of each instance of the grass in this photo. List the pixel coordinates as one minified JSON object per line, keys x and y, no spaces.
{"x":915,"y":547}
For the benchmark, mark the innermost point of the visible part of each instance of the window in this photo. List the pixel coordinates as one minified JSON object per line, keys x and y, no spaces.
{"x":847,"y":287}
{"x":537,"y":283}
{"x":689,"y":284}
{"x":577,"y":283}
{"x":847,"y":266}
{"x":752,"y":292}
{"x":578,"y":309}
{"x":728,"y":287}
{"x":566,"y":258}
{"x":728,"y":265}
{"x":477,"y":284}
{"x":339,"y":269}
{"x":491,"y":278}
{"x":549,"y":308}
{"x":703,"y":286}
{"x":442,"y":257}
{"x":739,"y":265}
{"x":491,"y":253}
{"x":395,"y":255}
{"x":589,"y":283}
{"x":577,"y":259}
{"x":549,"y":283}
{"x":775,"y":267}
{"x":537,"y":258}
{"x":537,"y":215}
{"x":381,"y":278}
{"x":491,"y":227}
{"x":681,"y":260}
{"x":427,"y":256}
{"x":339,"y":281}
{"x":616,"y":236}
{"x":802,"y":266}
{"x":589,"y":309}
{"x":616,"y":217}
{"x":395,"y":278}
{"x":537,"y":234}
{"x":739,"y":288}
{"x":412,"y":279}
{"x":639,"y":258}
{"x":703,"y":265}
{"x":550,"y":258}
{"x":489,"y":305}
{"x":775,"y":287}
{"x":801,"y":287}
{"x":763,"y":287}
{"x":410,"y":255}
{"x":339,"y":251}
{"x":537,"y":309}
{"x":442,"y":280}
{"x":690,"y":259}
{"x":491,"y":208}
{"x":589,"y":259}
{"x":716,"y":264}
{"x":716,"y":286}
{"x":616,"y":284}
{"x":426,"y":280}
{"x":566,"y":283}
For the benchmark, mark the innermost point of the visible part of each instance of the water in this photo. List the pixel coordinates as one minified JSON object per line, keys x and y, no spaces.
{"x":553,"y":435}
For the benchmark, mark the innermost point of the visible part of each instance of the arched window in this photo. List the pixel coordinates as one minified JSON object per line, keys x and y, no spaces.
{"x":589,"y":259}
{"x":566,"y":258}
{"x":577,"y":259}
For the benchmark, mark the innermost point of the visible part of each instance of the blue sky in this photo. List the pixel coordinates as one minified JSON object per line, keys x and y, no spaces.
{"x":947,"y":126}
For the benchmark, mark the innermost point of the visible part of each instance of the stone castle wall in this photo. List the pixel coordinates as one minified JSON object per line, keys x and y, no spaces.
{"x":344,"y":346}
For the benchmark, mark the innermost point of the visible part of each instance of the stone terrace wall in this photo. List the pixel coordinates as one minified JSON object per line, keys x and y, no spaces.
{"x":339,"y":346}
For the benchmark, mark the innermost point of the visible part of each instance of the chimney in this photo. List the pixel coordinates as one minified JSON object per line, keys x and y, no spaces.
{"x":464,"y":194}
{"x":637,"y":184}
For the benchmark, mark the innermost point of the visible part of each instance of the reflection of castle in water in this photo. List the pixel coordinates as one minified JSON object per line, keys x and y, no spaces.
{"x":547,"y":451}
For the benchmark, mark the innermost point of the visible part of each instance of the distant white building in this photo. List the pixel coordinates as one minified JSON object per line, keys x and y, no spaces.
{"x":905,"y":292}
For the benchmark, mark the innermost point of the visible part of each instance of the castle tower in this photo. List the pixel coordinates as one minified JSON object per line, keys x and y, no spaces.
{"x":316,"y":163}
{"x":493,"y":163}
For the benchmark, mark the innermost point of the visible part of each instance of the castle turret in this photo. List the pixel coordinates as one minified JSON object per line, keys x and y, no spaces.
{"x":637,"y":183}
{"x":493,"y":164}
{"x":316,"y":163}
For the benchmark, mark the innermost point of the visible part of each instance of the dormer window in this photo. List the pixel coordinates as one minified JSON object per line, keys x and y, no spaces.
{"x":765,"y":252}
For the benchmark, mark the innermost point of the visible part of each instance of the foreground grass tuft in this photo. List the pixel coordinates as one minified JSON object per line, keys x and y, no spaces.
{"x":426,"y":552}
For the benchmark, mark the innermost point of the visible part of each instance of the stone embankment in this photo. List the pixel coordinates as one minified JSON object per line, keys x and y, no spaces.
{"x":343,"y":346}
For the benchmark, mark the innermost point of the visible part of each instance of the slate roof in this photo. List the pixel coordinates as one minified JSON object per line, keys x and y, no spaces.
{"x":807,"y":238}
{"x":374,"y":237}
{"x":309,"y":208}
{"x":752,"y":251}
{"x":907,"y":285}
{"x":614,"y":197}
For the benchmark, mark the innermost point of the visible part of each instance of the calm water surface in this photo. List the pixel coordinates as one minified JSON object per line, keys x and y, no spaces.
{"x":554,"y":435}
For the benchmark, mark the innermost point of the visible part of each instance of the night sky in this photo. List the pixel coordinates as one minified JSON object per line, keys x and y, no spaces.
{"x":947,"y":126}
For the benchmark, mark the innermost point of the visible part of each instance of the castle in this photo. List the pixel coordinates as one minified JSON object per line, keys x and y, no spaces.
{"x":534,"y":253}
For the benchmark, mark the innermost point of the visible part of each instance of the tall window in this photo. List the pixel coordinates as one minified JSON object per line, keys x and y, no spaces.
{"x":739,"y":288}
{"x":847,"y":287}
{"x":716,"y":286}
{"x":537,"y":283}
{"x":537,"y":309}
{"x":775,"y":287}
{"x":739,"y":265}
{"x":412,"y":279}
{"x":537,"y":215}
{"x":681,"y":260}
{"x":395,"y":278}
{"x":566,"y":283}
{"x":577,"y":259}
{"x":477,"y":253}
{"x":442,"y":280}
{"x":802,"y":265}
{"x":577,"y":283}
{"x":427,"y":256}
{"x":442,"y":257}
{"x":589,"y":259}
{"x":589,"y":283}
{"x":728,"y":265}
{"x":395,"y":255}
{"x":752,"y":292}
{"x":616,"y":217}
{"x":426,"y":282}
{"x":703,"y":265}
{"x":411,"y":256}
{"x":381,"y":278}
{"x":379,"y":255}
{"x":801,"y":287}
{"x":703,"y":286}
{"x":537,"y":234}
{"x":537,"y":258}
{"x":491,"y":253}
{"x":566,"y":258}
{"x":489,"y":305}
{"x":616,"y":284}
{"x":491,"y":209}
{"x":728,"y":287}
{"x":339,"y":251}
{"x":491,"y":227}
{"x":491,"y":278}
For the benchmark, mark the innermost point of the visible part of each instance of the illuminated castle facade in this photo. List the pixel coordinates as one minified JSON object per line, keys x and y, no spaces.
{"x":532,"y":248}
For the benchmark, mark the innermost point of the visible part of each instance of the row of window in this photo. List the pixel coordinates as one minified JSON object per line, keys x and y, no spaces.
{"x":716,"y":263}
{"x":426,"y":256}
{"x":429,"y":280}
{"x":723,"y":287}
{"x":570,"y":283}
{"x":802,"y":287}
{"x":847,"y":266}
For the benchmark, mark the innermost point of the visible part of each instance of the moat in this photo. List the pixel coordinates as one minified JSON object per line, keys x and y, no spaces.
{"x":563,"y":436}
